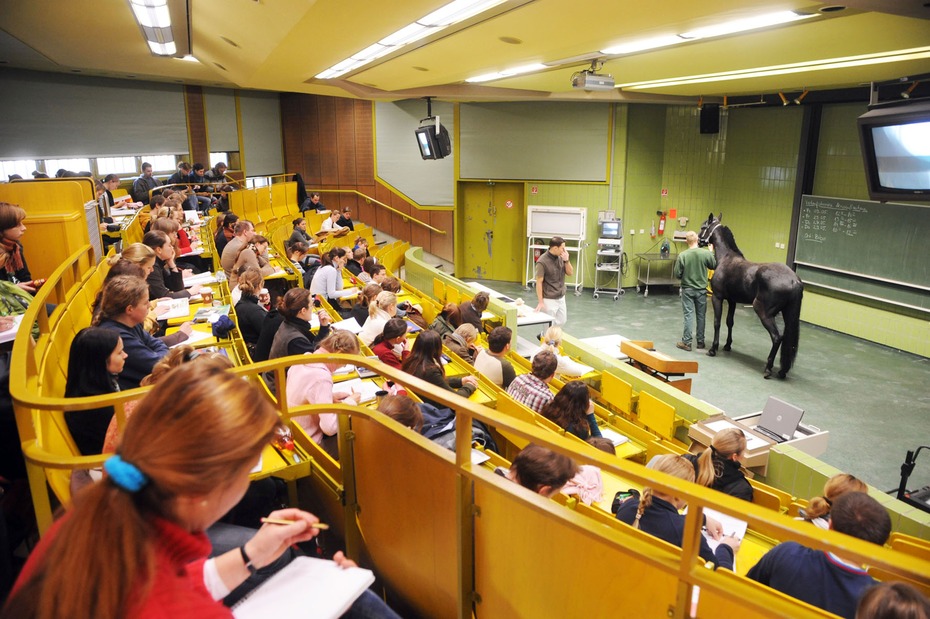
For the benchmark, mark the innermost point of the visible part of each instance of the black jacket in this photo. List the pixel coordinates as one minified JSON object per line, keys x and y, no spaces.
{"x":729,"y":478}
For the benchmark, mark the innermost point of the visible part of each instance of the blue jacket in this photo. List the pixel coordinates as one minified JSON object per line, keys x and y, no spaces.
{"x":662,"y":520}
{"x":142,"y":352}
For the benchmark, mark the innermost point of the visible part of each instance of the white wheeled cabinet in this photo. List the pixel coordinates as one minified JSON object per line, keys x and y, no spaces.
{"x":610,"y":264}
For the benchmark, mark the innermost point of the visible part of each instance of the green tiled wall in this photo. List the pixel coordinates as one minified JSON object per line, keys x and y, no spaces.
{"x":840,"y":172}
{"x":804,"y":476}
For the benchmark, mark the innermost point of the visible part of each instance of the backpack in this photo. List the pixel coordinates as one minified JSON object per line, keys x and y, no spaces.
{"x":439,"y":427}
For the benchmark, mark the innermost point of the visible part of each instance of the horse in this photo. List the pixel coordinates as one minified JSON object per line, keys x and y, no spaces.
{"x":771,"y":288}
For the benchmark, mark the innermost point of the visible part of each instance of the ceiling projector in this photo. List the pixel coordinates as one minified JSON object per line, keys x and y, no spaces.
{"x":588,"y":80}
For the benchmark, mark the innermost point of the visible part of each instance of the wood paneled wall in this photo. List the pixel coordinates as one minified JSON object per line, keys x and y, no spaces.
{"x":196,"y":124}
{"x":330,"y":142}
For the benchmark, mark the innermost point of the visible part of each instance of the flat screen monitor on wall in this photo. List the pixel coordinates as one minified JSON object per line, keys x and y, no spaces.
{"x":895,"y":143}
{"x":433,"y":145}
{"x":611,"y":230}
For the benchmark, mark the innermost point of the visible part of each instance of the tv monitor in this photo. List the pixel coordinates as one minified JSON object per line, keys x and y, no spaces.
{"x":433,"y":145}
{"x":611,"y":229}
{"x":895,"y":140}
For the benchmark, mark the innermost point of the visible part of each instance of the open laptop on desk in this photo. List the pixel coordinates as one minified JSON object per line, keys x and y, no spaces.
{"x":779,"y":420}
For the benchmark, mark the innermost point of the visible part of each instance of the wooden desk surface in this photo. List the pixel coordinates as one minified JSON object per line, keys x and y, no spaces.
{"x":656,"y":360}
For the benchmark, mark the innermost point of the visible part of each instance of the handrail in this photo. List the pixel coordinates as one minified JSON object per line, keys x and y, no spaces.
{"x":403,"y":215}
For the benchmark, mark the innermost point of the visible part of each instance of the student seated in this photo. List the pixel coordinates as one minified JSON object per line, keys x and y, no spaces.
{"x":893,"y":600}
{"x":94,"y":364}
{"x":462,"y":342}
{"x":532,"y":389}
{"x":166,"y":486}
{"x":718,"y":466}
{"x":226,"y":225}
{"x":391,"y":344}
{"x":572,"y":410}
{"x":492,"y":361}
{"x":293,"y":335}
{"x":123,"y":308}
{"x":253,"y":255}
{"x":551,"y":340}
{"x":818,"y":510}
{"x":372,"y":272}
{"x":354,"y":265}
{"x":345,"y":220}
{"x":244,"y":231}
{"x":250,"y":316}
{"x":327,"y":281}
{"x":365,"y":298}
{"x":330,"y":225}
{"x":312,"y":383}
{"x":587,"y":484}
{"x":425,"y":361}
{"x":656,"y":513}
{"x":403,"y":410}
{"x":541,"y":470}
{"x":381,"y":310}
{"x":299,"y":235}
{"x":821,"y":578}
{"x":166,"y":279}
{"x":470,"y":311}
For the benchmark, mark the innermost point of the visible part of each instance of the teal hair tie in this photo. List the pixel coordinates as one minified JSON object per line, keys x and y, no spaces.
{"x":125,"y":475}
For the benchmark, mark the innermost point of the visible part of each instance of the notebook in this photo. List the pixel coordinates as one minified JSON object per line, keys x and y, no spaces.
{"x":779,"y":420}
{"x":306,"y":588}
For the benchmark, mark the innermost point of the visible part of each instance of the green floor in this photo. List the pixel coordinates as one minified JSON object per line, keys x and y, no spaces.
{"x":874,"y":401}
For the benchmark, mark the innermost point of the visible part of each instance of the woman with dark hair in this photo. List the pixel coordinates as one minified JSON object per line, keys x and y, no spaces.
{"x":224,"y":233}
{"x":403,"y":410}
{"x":425,"y":361}
{"x":573,"y":410}
{"x":253,"y":254}
{"x":123,"y":308}
{"x":541,"y":470}
{"x":293,"y":336}
{"x":391,"y":345}
{"x":13,"y":266}
{"x":94,"y":363}
{"x":166,"y":279}
{"x":163,"y":489}
{"x":299,"y":235}
{"x":327,"y":281}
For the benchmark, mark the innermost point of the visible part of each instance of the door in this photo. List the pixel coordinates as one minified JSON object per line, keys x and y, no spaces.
{"x":494,"y":231}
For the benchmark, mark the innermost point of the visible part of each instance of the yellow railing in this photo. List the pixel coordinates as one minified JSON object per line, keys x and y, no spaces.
{"x":406,"y":217}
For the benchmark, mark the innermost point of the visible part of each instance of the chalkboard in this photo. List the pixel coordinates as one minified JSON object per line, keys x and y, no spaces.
{"x":565,"y":221}
{"x":879,"y":251}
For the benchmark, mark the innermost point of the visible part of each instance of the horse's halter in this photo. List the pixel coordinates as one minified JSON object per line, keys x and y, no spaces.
{"x":703,"y":240}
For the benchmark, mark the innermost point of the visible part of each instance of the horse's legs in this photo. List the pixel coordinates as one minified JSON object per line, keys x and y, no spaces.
{"x":731,"y":309}
{"x":768,"y":321}
{"x":718,"y":310}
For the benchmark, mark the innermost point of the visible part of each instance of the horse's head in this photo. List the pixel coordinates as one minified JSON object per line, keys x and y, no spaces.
{"x":707,"y":229}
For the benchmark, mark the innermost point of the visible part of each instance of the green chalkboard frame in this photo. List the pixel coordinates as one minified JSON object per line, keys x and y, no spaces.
{"x":871,"y":250}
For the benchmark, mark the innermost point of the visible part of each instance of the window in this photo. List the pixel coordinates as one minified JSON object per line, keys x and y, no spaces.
{"x":23,"y":167}
{"x":216,"y":158}
{"x":161,"y":163}
{"x":257,"y":181}
{"x":116,"y":165}
{"x":72,"y":165}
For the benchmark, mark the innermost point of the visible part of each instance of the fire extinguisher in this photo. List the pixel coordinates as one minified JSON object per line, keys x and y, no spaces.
{"x":662,"y":222}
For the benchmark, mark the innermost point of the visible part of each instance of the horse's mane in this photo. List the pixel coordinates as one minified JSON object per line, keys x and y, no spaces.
{"x":729,"y":241}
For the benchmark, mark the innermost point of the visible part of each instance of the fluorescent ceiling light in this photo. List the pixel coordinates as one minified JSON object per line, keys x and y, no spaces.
{"x":917,"y":53}
{"x":450,"y":14}
{"x":151,"y":13}
{"x":487,"y":77}
{"x":163,"y":49}
{"x":748,"y":23}
{"x":643,"y":44}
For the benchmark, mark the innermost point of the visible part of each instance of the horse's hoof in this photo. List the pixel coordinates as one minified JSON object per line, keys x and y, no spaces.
{"x":727,"y":348}
{"x":711,"y":353}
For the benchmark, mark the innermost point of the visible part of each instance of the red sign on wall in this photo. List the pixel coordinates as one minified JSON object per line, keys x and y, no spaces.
{"x":664,"y":193}
{"x":534,"y":189}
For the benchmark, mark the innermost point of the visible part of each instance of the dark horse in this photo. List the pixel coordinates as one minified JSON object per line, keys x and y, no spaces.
{"x":770,"y":287}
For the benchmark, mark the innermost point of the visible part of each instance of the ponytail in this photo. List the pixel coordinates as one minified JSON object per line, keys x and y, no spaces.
{"x":836,"y":486}
{"x":705,"y":468}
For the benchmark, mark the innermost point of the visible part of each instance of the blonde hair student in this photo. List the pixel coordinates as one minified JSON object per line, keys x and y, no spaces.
{"x":718,"y":466}
{"x":818,"y":510}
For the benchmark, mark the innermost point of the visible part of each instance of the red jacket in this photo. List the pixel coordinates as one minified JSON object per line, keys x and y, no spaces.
{"x":386,"y":353}
{"x":178,"y":590}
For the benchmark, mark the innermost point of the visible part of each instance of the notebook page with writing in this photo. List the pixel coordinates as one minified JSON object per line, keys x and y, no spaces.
{"x":307,"y":588}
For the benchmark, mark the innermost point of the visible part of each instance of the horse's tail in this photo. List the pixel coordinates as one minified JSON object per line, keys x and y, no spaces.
{"x":792,"y":315}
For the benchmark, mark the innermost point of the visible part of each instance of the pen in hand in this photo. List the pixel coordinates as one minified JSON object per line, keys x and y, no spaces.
{"x":317,"y":525}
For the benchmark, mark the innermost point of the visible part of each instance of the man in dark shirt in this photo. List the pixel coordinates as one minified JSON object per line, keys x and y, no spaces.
{"x":821,"y":578}
{"x":551,"y":269}
{"x":144,"y":184}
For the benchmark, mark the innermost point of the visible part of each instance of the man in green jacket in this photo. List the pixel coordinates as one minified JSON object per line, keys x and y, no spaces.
{"x":691,"y":268}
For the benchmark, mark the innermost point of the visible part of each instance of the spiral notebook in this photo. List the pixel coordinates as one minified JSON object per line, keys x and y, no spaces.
{"x":306,"y":589}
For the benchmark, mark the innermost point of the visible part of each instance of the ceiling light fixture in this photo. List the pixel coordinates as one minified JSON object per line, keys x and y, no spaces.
{"x":716,"y":30}
{"x":155,"y":22}
{"x":527,"y":68}
{"x":800,"y":97}
{"x":445,"y":16}
{"x":901,"y":55}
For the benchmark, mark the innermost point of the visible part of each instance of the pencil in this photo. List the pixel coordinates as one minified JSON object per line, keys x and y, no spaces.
{"x":318,"y":525}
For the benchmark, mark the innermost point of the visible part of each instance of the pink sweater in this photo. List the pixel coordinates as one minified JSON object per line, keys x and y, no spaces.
{"x":312,"y":384}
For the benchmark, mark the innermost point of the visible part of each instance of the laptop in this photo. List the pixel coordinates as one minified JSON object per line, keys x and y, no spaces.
{"x":779,"y":420}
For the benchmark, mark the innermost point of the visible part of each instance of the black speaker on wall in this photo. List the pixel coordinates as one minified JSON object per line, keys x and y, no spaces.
{"x":710,"y":118}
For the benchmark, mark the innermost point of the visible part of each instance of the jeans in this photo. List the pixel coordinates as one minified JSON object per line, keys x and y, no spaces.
{"x":693,"y":301}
